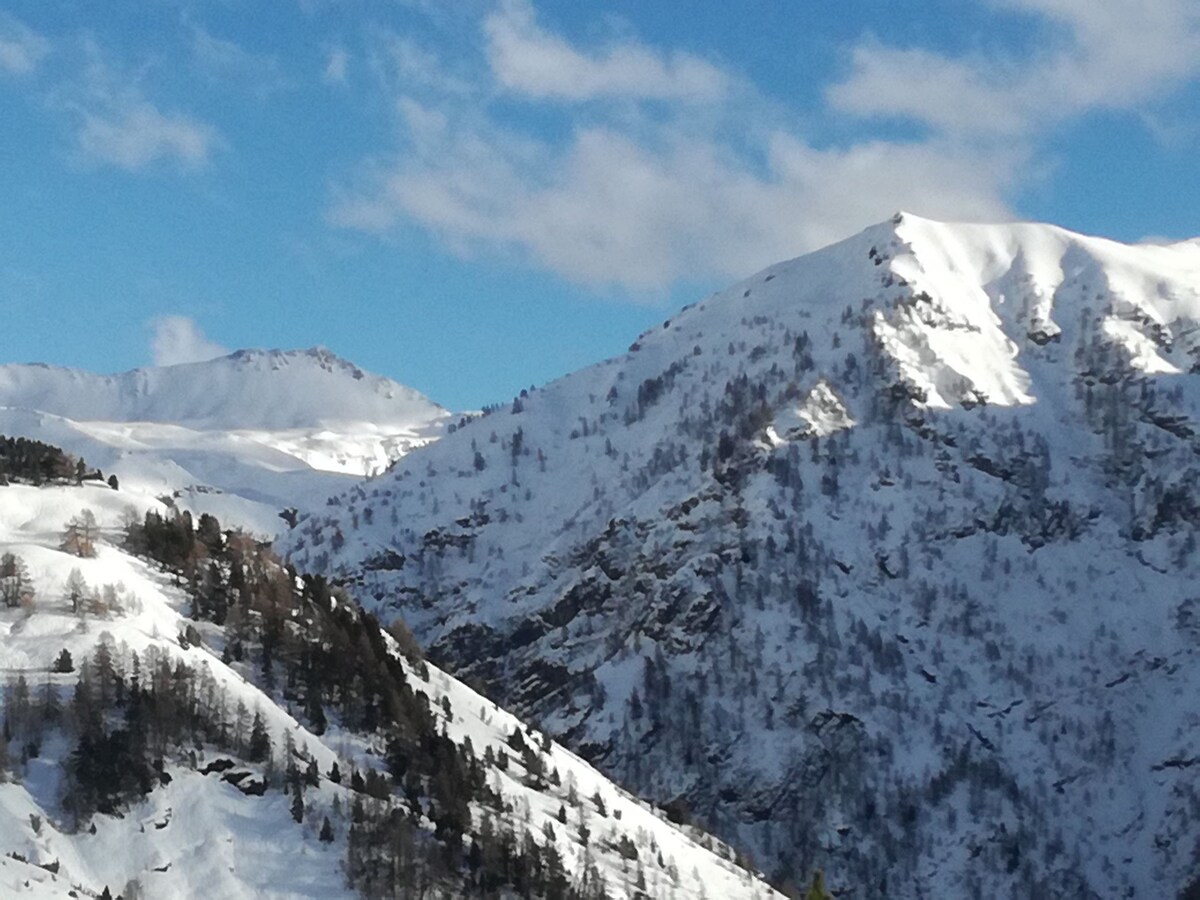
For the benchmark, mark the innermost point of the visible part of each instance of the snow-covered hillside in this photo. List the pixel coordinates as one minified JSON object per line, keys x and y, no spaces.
{"x":216,"y":820}
{"x":243,"y":436}
{"x":883,"y":560}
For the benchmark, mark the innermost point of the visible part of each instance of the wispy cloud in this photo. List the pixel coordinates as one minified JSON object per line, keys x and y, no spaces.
{"x":21,"y":48}
{"x":225,"y":60}
{"x":337,"y":65}
{"x":527,"y":59}
{"x":661,"y":165}
{"x":134,"y":135}
{"x":608,"y":208}
{"x":119,"y":126}
{"x":706,"y":181}
{"x":1117,"y":54}
{"x":177,"y":339}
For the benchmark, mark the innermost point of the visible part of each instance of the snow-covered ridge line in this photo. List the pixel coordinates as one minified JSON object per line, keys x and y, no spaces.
{"x":887,"y":531}
{"x":244,"y":436}
{"x":266,"y":389}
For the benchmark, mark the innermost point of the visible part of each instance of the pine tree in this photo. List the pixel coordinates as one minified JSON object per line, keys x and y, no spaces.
{"x":297,"y":807}
{"x":260,"y":741}
{"x":326,"y":835}
{"x":15,"y":583}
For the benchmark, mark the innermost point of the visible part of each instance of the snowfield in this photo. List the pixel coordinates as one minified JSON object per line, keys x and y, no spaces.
{"x":241,"y":437}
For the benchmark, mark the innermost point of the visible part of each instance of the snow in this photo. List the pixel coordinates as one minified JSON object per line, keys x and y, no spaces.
{"x":200,"y":836}
{"x":925,"y":613}
{"x":241,"y":437}
{"x":820,"y":414}
{"x":969,"y":443}
{"x":251,"y":389}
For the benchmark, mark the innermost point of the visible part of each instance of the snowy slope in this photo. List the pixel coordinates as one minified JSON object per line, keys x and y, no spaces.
{"x":243,"y":436}
{"x":249,"y":389}
{"x":883,"y":559}
{"x":200,"y":835}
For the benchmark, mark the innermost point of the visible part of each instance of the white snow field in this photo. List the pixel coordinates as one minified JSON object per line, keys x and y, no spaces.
{"x":241,"y":437}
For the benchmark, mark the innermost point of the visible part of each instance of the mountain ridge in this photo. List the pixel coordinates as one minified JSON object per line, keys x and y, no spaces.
{"x":242,"y":436}
{"x":846,"y":510}
{"x":135,"y":395}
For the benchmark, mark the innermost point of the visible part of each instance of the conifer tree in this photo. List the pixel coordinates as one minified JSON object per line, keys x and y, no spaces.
{"x":260,"y":741}
{"x":297,"y":807}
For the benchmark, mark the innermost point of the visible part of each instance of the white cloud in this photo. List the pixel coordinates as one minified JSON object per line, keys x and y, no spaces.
{"x":610,"y":208}
{"x":1116,"y":54}
{"x":177,"y":339}
{"x":336,"y":65}
{"x":712,"y":179}
{"x":119,"y":126}
{"x":228,"y":61}
{"x":21,"y":48}
{"x":529,"y":60}
{"x":135,"y":135}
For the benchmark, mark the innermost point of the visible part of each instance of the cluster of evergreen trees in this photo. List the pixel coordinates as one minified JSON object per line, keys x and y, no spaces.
{"x":324,"y":656}
{"x":25,"y":460}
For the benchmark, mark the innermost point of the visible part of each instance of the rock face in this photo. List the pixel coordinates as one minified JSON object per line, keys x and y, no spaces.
{"x":883,"y":561}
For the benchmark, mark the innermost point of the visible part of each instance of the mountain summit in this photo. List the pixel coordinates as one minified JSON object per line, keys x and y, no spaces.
{"x":881,"y":561}
{"x":242,"y":436}
{"x":254,"y":389}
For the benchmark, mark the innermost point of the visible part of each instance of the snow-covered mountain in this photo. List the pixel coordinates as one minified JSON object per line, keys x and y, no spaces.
{"x":883,"y":561}
{"x":129,"y":758}
{"x":243,"y":436}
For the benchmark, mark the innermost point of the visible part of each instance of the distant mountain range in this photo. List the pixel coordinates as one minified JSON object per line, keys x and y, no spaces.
{"x":882,"y":561}
{"x":243,"y":436}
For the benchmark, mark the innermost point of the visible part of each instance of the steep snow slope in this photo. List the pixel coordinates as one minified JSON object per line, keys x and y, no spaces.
{"x":199,"y":834}
{"x":243,"y":436}
{"x":883,"y":559}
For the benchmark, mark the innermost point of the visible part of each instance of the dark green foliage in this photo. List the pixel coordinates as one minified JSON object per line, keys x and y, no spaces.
{"x":64,"y":663}
{"x":297,"y":807}
{"x":260,"y":741}
{"x":25,"y":460}
{"x":325,"y":655}
{"x":106,"y":771}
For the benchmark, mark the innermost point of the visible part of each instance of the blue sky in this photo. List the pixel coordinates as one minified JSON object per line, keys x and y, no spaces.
{"x":472,"y":197}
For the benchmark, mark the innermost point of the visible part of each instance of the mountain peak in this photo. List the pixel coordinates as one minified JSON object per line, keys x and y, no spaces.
{"x":250,"y":388}
{"x":857,"y":507}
